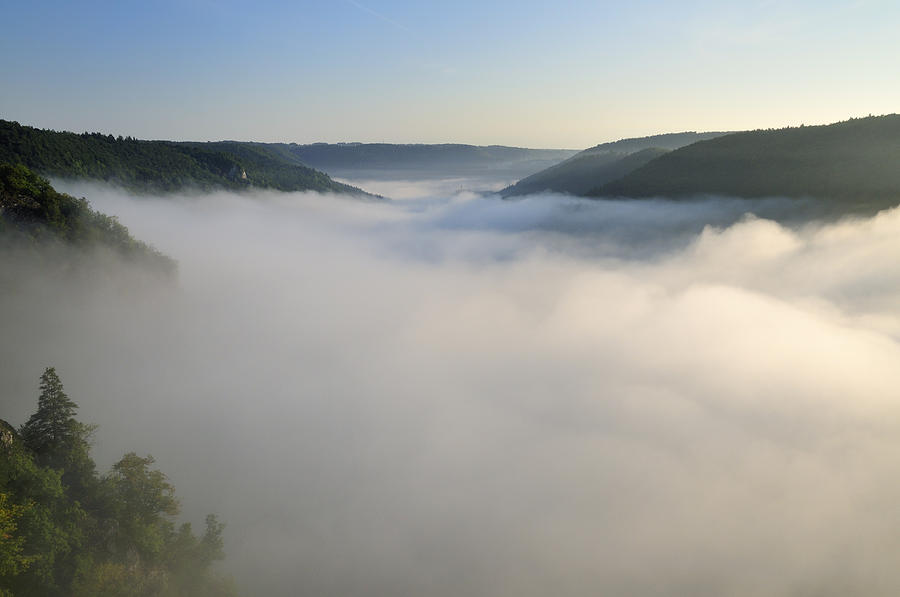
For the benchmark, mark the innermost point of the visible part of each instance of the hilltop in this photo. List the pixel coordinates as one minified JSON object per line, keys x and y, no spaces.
{"x":852,"y":161}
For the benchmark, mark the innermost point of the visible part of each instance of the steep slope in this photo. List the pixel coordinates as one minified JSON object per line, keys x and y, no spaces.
{"x":158,"y":166}
{"x":601,"y":164}
{"x":669,"y":141}
{"x":583,"y":173}
{"x":853,"y":161}
{"x":33,"y":211}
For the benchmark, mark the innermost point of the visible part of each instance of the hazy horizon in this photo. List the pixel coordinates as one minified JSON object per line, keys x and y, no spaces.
{"x":352,"y":141}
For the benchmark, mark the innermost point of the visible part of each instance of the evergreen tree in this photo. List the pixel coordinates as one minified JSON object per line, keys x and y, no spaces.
{"x":57,"y":439}
{"x":52,"y":431}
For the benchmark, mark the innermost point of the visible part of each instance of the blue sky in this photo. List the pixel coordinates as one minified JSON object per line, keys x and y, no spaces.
{"x":539,"y":74}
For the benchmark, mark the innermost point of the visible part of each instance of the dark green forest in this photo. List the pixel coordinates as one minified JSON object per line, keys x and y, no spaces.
{"x":159,"y":166}
{"x":855,"y":163}
{"x":67,"y":531}
{"x":33,"y":213}
{"x":598,"y":165}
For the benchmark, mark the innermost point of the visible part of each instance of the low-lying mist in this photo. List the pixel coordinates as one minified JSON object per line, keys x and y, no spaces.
{"x":457,"y":395}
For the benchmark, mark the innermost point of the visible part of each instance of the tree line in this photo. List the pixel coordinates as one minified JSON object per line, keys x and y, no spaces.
{"x":852,"y":164}
{"x":159,"y":166}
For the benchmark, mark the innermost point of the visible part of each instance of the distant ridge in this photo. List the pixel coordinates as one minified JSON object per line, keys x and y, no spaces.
{"x":348,"y":159}
{"x":856,"y":161}
{"x":603,"y":163}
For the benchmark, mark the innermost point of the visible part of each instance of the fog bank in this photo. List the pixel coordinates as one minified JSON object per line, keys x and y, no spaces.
{"x":457,"y":395}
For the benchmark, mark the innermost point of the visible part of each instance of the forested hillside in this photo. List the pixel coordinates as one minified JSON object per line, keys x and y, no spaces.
{"x":583,"y":173}
{"x":158,"y":166}
{"x":31,"y":210}
{"x":67,"y":531}
{"x":601,"y":164}
{"x":664,"y":141}
{"x":852,"y":162}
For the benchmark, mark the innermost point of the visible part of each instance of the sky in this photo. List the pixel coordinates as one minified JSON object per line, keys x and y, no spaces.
{"x":525,"y":73}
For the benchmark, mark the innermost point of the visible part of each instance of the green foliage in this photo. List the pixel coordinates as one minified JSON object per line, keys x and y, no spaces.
{"x":852,"y":163}
{"x":65,"y":531}
{"x":159,"y":166}
{"x":116,"y":579}
{"x":12,"y":559}
{"x":48,"y":528}
{"x":142,"y":499}
{"x":30,"y":206}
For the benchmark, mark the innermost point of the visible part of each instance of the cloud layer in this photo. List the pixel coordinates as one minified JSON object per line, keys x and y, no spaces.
{"x":466,"y":396}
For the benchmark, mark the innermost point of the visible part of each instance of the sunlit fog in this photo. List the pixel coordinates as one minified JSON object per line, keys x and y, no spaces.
{"x":448,"y":393}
